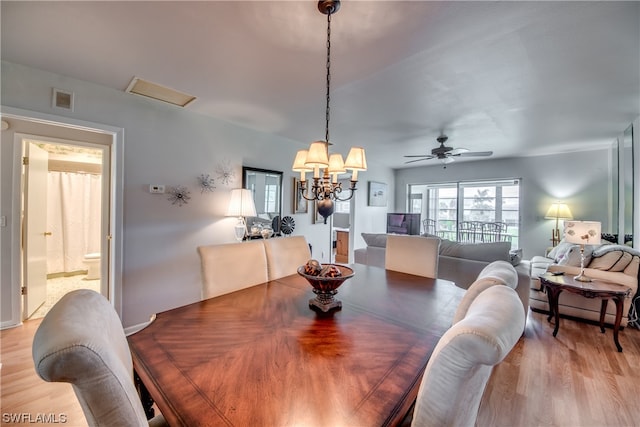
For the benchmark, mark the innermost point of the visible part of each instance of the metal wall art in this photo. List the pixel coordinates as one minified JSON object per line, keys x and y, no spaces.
{"x":179,"y":195}
{"x":206,"y":183}
{"x":225,"y":173}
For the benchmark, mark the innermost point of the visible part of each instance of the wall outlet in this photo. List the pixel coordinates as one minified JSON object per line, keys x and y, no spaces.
{"x":3,"y":221}
{"x":156,"y":189}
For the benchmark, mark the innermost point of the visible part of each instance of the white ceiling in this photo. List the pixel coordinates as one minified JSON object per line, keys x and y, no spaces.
{"x":518,"y":78}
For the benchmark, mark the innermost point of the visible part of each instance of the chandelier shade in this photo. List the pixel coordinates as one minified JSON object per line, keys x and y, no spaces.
{"x":356,"y":161}
{"x":317,"y":156}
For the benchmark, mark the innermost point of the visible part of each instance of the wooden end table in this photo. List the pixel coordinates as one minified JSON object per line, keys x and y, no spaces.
{"x":554,"y":285}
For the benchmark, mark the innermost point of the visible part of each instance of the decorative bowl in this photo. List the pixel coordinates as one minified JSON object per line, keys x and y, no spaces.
{"x":326,"y":287}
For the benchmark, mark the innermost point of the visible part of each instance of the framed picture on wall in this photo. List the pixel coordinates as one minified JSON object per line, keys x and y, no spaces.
{"x":300,"y":204}
{"x":377,"y":193}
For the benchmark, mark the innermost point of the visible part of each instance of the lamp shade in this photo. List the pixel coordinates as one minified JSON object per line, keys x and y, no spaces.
{"x":558,"y":211}
{"x":356,"y":160}
{"x":336,"y":164}
{"x":299,"y":162}
{"x":318,"y":155}
{"x":241,"y":203}
{"x":582,"y":232}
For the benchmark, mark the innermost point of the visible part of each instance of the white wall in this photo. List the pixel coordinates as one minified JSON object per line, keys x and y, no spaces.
{"x":172,"y":146}
{"x":545,"y":179}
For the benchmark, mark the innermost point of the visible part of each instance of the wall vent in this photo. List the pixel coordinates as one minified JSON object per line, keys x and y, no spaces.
{"x":148,"y":89}
{"x":62,"y":99}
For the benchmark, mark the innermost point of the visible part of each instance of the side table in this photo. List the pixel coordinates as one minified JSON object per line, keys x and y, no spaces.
{"x":554,"y":285}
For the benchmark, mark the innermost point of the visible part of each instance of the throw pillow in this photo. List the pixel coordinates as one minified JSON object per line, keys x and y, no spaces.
{"x":375,"y":239}
{"x":557,"y":253}
{"x":573,"y":258}
{"x":515,"y":256}
{"x":396,"y":220}
{"x":611,"y":258}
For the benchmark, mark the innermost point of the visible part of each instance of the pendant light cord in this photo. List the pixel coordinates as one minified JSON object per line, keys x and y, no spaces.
{"x":327,"y":110}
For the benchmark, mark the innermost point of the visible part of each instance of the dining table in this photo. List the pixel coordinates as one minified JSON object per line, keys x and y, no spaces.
{"x":262,"y":356}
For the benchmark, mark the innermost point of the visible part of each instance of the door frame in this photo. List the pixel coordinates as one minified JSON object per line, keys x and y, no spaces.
{"x":115,"y":230}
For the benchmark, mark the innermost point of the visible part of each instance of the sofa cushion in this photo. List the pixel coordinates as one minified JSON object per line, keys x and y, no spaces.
{"x":375,"y":239}
{"x":487,"y":252}
{"x":611,"y":258}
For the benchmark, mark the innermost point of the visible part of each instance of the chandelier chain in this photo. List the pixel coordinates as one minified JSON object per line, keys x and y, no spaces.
{"x":328,"y":110}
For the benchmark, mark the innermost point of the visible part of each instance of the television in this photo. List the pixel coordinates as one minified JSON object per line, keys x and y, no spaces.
{"x":403,"y":223}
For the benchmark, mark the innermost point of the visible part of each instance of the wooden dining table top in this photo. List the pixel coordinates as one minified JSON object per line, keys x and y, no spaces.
{"x":262,"y":357}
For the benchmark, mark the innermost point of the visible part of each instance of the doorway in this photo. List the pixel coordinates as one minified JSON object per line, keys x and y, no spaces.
{"x":65,"y":212}
{"x":19,"y":124}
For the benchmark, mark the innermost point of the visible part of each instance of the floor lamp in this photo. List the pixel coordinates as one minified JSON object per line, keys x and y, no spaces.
{"x":557,"y":211}
{"x":582,"y":233}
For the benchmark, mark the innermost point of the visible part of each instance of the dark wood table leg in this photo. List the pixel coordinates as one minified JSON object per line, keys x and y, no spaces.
{"x":619,"y":300}
{"x":553,"y":293}
{"x":145,"y":397}
{"x":603,"y":311}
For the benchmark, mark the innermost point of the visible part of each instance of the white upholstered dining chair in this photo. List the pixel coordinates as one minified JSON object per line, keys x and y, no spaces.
{"x":285,"y":255}
{"x":233,"y":266}
{"x":81,"y":341}
{"x":461,"y":364}
{"x":496,"y":273}
{"x":412,"y":255}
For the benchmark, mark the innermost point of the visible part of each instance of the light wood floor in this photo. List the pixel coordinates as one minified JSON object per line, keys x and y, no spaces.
{"x":576,"y":379}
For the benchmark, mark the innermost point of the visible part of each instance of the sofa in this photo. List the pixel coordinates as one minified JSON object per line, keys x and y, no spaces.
{"x":613,"y":263}
{"x":459,"y":262}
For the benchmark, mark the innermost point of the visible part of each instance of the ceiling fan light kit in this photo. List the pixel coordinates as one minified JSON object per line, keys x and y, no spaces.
{"x":326,"y":168}
{"x":446,"y":154}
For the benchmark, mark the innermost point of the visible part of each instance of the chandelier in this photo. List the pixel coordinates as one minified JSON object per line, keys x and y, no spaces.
{"x":326,"y":168}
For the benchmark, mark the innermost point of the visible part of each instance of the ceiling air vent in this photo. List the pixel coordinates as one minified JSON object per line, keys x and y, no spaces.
{"x":146,"y":88}
{"x":62,"y":99}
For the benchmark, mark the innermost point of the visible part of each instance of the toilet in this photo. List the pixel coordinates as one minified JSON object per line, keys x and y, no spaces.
{"x":92,"y":261}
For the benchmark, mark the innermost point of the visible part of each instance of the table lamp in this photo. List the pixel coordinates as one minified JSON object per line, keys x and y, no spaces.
{"x":557,"y":211}
{"x":582,"y":233}
{"x":241,"y":205}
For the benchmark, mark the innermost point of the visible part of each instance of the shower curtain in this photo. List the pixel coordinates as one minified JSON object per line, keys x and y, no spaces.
{"x":73,"y":218}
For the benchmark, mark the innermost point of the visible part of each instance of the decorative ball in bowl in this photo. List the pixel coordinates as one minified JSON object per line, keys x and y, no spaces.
{"x":325,"y":280}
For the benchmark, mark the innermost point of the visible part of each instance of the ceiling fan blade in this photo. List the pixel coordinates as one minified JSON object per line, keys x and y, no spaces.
{"x":418,"y":160}
{"x":475,"y":154}
{"x":458,"y":151}
{"x":422,"y":155}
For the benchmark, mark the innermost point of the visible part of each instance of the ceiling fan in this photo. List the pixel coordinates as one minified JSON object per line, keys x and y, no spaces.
{"x":447,"y":154}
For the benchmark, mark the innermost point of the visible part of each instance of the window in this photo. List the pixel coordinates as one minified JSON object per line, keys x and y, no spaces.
{"x":478,"y":202}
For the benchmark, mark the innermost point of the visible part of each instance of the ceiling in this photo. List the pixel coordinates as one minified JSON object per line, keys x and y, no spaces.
{"x":517,"y":78}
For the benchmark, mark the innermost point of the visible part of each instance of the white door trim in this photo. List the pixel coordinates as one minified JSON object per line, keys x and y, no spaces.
{"x":116,"y":201}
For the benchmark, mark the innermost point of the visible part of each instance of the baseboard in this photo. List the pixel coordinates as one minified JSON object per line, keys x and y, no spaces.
{"x":9,"y":324}
{"x":130,"y":330}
